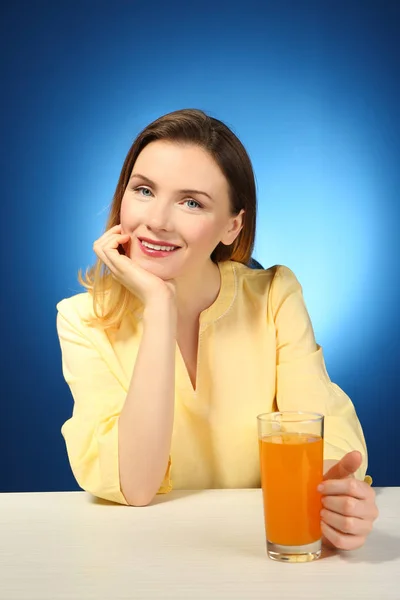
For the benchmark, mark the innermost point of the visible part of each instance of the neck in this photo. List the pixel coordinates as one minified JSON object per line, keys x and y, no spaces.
{"x":197,"y":291}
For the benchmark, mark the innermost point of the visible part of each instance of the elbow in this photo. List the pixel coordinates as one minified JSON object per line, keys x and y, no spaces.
{"x":138,"y":494}
{"x":139,"y":499}
{"x":139,"y":491}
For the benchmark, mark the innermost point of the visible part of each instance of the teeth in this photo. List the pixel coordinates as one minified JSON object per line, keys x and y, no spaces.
{"x":154,"y":247}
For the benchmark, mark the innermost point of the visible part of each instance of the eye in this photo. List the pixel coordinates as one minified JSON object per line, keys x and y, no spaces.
{"x":147,"y":193}
{"x":197,"y":205}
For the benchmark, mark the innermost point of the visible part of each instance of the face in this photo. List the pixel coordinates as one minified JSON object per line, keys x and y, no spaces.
{"x":176,"y":195}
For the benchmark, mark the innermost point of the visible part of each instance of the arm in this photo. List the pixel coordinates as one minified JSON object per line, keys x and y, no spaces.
{"x":146,"y":420}
{"x":98,"y":453}
{"x":302,"y":380}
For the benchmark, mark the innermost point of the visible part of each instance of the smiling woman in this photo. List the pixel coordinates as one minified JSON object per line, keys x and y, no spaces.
{"x":187,"y":160}
{"x":177,"y":344}
{"x":185,"y":205}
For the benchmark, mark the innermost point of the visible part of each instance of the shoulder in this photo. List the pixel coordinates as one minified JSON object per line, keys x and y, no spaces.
{"x":77,"y":306}
{"x":275,"y":279}
{"x":269,"y":289}
{"x":77,"y":316}
{"x":76,"y":311}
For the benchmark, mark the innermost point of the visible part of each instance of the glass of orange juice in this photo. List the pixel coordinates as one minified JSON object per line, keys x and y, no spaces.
{"x":291,"y":463}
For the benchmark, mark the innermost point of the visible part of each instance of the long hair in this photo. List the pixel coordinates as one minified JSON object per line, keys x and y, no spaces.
{"x":111,"y":299}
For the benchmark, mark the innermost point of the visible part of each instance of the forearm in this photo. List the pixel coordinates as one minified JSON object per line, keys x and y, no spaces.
{"x":146,"y":421}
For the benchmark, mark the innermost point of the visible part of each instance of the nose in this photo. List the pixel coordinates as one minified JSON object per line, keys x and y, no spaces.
{"x":159,"y":216}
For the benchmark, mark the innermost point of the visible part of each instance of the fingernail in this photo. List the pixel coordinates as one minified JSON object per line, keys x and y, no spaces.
{"x":320,"y":488}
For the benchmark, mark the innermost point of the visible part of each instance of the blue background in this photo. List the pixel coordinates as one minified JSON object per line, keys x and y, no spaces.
{"x":311,"y":88}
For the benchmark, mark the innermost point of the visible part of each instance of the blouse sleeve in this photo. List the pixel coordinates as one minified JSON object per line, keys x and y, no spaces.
{"x":302,"y":379}
{"x":91,"y":434}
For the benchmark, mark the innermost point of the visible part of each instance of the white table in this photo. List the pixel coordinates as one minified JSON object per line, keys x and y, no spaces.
{"x":186,"y":545}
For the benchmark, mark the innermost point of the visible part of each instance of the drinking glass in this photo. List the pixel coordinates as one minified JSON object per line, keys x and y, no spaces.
{"x":291,"y":464}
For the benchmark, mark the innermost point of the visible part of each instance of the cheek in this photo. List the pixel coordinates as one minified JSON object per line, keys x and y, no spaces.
{"x":129,"y":215}
{"x":125,"y":213}
{"x":203,"y":233}
{"x":128,"y":221}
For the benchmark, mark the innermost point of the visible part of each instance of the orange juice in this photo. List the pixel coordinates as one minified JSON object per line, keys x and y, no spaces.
{"x":291,"y":470}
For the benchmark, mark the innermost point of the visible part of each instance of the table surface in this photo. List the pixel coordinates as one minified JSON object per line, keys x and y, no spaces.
{"x":202,"y":544}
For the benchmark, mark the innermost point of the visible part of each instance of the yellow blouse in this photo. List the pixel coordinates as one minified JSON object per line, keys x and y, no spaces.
{"x":257,"y":353}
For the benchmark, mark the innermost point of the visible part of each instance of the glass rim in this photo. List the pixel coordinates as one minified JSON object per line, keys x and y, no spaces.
{"x":268,"y":416}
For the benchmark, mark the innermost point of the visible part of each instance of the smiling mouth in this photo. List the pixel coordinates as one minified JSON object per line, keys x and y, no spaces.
{"x":156,"y":250}
{"x":158,"y":247}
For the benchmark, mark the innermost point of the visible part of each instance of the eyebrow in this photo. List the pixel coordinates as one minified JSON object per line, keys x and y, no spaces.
{"x":186,"y":191}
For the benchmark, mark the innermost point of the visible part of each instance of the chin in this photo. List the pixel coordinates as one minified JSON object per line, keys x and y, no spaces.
{"x":162,"y":271}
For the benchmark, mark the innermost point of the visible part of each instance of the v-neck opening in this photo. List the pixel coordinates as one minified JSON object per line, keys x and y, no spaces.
{"x":216,"y":310}
{"x":188,"y":385}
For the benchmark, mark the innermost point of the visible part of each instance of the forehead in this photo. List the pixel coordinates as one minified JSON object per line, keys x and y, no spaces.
{"x":181,"y":166}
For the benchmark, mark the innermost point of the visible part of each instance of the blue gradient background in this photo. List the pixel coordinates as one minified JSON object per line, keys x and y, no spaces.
{"x":311,"y":88}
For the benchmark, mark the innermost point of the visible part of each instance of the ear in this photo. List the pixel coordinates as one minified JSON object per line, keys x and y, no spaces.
{"x":233,"y":229}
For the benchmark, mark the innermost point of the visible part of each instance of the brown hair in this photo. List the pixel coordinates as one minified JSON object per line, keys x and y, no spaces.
{"x":193,"y":127}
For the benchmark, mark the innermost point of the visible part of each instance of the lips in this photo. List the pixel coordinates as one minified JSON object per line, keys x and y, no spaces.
{"x":162,"y":251}
{"x":158,"y":242}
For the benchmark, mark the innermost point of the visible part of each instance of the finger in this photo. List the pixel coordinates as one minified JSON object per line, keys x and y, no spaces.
{"x":111,"y":243}
{"x":349,"y":525}
{"x":117,"y":263}
{"x":114,"y":229}
{"x":110,"y":232}
{"x":106,"y":263}
{"x":109,"y":256}
{"x":115,"y":240}
{"x":342,"y":541}
{"x":346,"y":466}
{"x":116,"y":258}
{"x":346,"y":487}
{"x":351,"y":507}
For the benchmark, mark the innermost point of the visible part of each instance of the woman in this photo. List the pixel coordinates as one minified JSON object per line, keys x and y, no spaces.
{"x":177,"y":344}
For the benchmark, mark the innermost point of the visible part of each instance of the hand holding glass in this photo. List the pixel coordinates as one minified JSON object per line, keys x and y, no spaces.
{"x":291,"y":462}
